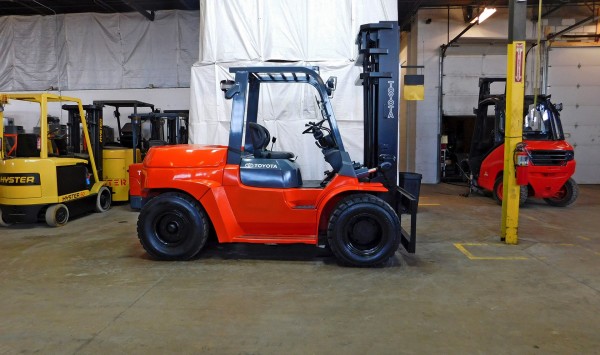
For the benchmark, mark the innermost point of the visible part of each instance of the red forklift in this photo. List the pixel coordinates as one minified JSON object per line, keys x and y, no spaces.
{"x":249,"y":193}
{"x":545,"y":161}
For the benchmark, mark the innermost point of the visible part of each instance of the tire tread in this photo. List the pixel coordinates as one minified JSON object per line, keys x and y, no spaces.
{"x":204,"y":220}
{"x":347,"y":203}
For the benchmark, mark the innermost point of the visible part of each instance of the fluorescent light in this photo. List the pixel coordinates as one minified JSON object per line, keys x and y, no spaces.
{"x":487,"y":12}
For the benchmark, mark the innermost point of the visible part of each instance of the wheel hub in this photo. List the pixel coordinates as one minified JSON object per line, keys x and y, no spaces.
{"x":61,"y":215}
{"x":170,"y":228}
{"x":363,"y":234}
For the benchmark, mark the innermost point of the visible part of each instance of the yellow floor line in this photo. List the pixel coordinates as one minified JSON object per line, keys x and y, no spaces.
{"x":429,"y":204}
{"x":468,"y":254}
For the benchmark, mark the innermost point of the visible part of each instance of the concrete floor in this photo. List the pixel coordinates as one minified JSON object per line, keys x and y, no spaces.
{"x":89,"y":288}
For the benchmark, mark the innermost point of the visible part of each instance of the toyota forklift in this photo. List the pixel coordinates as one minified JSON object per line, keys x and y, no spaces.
{"x":248,"y":193}
{"x":545,"y":161}
{"x":47,"y":177}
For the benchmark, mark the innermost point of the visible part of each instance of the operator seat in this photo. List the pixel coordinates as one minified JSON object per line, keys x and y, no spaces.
{"x":260,"y":139}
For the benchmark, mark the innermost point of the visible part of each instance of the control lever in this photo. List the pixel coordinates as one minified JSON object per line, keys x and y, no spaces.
{"x":386,"y":161}
{"x":385,"y":166}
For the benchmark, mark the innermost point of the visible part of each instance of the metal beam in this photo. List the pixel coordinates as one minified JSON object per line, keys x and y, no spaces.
{"x":591,"y":18}
{"x":187,"y":4}
{"x":445,"y":46}
{"x":545,"y":14}
{"x":22,"y":3}
{"x":147,"y":14}
{"x":105,"y":5}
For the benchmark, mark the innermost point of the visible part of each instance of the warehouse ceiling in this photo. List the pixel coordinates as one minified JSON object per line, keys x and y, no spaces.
{"x":406,"y":8}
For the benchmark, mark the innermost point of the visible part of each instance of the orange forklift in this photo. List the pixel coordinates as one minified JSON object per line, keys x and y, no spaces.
{"x":249,"y":193}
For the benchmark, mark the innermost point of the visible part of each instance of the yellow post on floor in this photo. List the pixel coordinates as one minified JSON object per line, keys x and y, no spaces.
{"x":513,"y":131}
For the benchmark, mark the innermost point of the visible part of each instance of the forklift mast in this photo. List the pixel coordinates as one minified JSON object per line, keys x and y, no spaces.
{"x":94,"y":121}
{"x":135,"y":104}
{"x":485,"y":88}
{"x":177,"y":122}
{"x":378,"y":44}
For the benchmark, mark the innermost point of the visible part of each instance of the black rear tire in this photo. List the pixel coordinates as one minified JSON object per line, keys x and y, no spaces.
{"x":499,"y":186}
{"x":173,"y":226}
{"x":363,"y":230}
{"x":103,"y":199}
{"x":565,"y":196}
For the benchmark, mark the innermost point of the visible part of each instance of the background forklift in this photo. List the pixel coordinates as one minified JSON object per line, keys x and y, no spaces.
{"x":249,"y":193}
{"x":176,"y":123}
{"x":546,"y":161}
{"x":44,"y":177}
{"x":118,"y":156}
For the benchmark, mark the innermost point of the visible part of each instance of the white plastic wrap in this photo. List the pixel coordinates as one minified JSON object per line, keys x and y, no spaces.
{"x":286,"y":32}
{"x":98,"y":51}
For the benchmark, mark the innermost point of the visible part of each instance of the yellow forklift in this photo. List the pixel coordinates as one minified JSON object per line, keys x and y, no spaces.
{"x":49,"y":177}
{"x":118,"y":156}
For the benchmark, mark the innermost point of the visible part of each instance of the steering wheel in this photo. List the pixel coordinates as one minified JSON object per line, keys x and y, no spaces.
{"x":313,"y":127}
{"x":322,"y":135}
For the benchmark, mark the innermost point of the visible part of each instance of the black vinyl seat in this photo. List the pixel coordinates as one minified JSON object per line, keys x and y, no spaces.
{"x":27,"y":145}
{"x":260,"y":140}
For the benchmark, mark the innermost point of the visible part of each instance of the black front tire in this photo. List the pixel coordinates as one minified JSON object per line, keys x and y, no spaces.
{"x":565,"y":196}
{"x":2,"y":222}
{"x":57,"y":215}
{"x":363,"y":230}
{"x":103,"y":199}
{"x":173,"y":226}
{"x":498,"y":191}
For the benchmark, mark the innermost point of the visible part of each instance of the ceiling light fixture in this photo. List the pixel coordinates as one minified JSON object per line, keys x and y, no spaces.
{"x":487,"y":12}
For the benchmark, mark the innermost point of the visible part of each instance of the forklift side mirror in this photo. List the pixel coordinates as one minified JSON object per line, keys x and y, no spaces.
{"x":230,"y":88}
{"x":331,"y":85}
{"x":226,"y":85}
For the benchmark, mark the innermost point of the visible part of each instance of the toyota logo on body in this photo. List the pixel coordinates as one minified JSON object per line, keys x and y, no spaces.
{"x":261,"y":166}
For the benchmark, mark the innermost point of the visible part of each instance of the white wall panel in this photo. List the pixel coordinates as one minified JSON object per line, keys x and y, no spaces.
{"x":461,"y":80}
{"x":574,"y":80}
{"x":571,"y":95}
{"x":574,"y":74}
